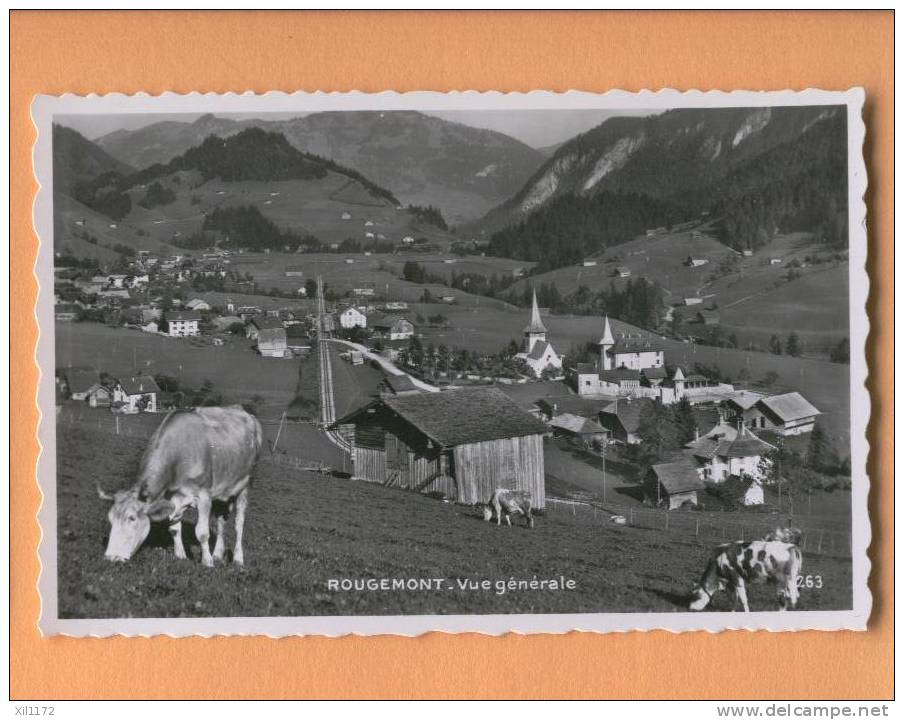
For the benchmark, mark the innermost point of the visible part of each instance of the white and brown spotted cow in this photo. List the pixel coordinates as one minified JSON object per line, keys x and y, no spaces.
{"x":508,"y":503}
{"x":194,"y":458}
{"x":736,"y":564}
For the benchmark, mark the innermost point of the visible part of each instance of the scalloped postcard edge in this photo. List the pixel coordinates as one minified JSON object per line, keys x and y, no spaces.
{"x":44,"y":107}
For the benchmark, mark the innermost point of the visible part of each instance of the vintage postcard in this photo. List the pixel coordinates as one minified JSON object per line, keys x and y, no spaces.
{"x":396,"y":363}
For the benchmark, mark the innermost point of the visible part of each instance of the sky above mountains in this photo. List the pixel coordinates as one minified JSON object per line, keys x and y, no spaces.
{"x":537,"y":128}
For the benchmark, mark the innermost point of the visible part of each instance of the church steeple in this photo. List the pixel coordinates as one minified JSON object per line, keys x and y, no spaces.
{"x":605,"y":343}
{"x":535,"y":330}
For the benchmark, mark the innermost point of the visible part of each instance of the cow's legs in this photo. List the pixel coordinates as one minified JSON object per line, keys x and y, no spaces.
{"x":741,"y":595}
{"x":241,"y":504}
{"x":508,"y":519}
{"x":175,"y":531}
{"x":219,"y":549}
{"x":202,"y":529}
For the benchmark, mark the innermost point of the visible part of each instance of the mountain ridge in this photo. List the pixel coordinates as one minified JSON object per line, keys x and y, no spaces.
{"x":423,"y":159}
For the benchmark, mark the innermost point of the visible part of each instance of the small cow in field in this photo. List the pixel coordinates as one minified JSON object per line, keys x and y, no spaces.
{"x":192,"y":460}
{"x":733,"y":565}
{"x":508,"y":503}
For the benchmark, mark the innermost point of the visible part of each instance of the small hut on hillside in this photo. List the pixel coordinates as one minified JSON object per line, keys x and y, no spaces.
{"x":462,"y":443}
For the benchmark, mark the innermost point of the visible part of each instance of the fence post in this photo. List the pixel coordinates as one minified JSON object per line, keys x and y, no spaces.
{"x":117,"y":424}
{"x":819,"y":544}
{"x":742,"y":533}
{"x":631,"y":520}
{"x":574,"y":510}
{"x":697,"y":527}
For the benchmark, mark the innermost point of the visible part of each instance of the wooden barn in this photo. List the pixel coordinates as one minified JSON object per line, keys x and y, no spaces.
{"x":463,"y":444}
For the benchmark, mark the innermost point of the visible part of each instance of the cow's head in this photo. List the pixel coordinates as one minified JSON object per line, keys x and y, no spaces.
{"x":487,"y":513}
{"x":710,"y":583}
{"x":130,"y":521}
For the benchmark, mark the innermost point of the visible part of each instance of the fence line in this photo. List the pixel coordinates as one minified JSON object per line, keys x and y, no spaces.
{"x":814,"y":541}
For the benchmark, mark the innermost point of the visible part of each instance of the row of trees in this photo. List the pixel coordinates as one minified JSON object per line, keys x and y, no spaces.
{"x":640,"y":302}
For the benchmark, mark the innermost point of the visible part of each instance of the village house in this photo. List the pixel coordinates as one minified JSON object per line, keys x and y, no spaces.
{"x":622,"y":419}
{"x":182,"y":323}
{"x":786,"y":414}
{"x":672,"y":485}
{"x":260,"y":323}
{"x":589,"y":263}
{"x":707,"y":317}
{"x":135,"y":394}
{"x":463,"y":444}
{"x":392,"y":327}
{"x":351,"y":318}
{"x":622,"y":271}
{"x":577,"y":427}
{"x":79,"y":381}
{"x":739,"y":407}
{"x":693,"y":262}
{"x":272,"y":342}
{"x":198,"y":304}
{"x":725,"y":451}
{"x":100,"y":396}
{"x":692,"y":301}
{"x":536,"y":351}
{"x":66,"y":312}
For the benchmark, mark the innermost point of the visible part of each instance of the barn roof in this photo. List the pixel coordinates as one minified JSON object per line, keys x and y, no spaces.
{"x":677,"y":477}
{"x":275,"y":337}
{"x":727,"y":441}
{"x":790,"y":406}
{"x":744,"y":399}
{"x":400,"y":383}
{"x":572,"y":405}
{"x":628,"y":412}
{"x":576,"y":424}
{"x":460,"y":417}
{"x":80,"y":380}
{"x":138,"y":385}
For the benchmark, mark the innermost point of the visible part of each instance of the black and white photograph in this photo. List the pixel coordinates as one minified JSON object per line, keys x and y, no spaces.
{"x":346,"y":363}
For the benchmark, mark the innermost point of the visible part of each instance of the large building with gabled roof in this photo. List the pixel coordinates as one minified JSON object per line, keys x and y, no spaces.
{"x":462,"y":444}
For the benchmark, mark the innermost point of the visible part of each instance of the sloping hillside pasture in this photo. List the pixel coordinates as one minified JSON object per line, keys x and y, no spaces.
{"x":236,"y":371}
{"x":67,"y":234}
{"x":344,"y":272}
{"x":815,"y":306}
{"x":660,"y":259}
{"x":303,"y":530}
{"x":753,"y":303}
{"x":304,"y":206}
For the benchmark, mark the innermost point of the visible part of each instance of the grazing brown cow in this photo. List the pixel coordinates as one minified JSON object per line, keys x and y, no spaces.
{"x":733,"y":565}
{"x":194,"y":458}
{"x":508,"y":503}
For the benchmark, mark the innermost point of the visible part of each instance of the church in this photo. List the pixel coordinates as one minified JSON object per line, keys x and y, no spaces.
{"x":536,"y":351}
{"x":625,"y":366}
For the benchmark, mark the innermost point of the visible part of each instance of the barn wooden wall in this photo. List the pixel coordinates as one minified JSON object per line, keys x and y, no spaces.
{"x":513,"y":463}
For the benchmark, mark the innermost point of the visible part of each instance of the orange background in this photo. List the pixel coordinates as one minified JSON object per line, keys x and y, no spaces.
{"x":94,"y":52}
